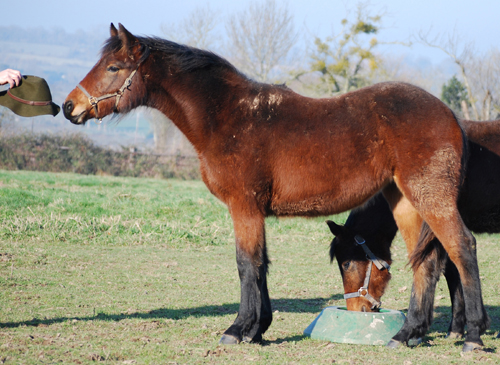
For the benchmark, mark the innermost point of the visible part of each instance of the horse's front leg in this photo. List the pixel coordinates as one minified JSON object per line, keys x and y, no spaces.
{"x":254,"y":315}
{"x":420,"y":311}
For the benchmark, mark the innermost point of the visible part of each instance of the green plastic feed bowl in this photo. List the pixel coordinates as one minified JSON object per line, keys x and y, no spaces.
{"x":337,"y":324}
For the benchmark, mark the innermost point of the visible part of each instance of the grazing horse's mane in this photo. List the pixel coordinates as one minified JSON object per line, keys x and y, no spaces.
{"x":186,"y":58}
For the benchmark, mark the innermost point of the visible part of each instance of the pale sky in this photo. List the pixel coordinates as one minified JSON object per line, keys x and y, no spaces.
{"x":475,"y":21}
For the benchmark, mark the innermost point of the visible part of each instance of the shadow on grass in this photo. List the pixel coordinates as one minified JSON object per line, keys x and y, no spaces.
{"x":312,"y":305}
{"x":442,"y":319}
{"x":441,"y":322}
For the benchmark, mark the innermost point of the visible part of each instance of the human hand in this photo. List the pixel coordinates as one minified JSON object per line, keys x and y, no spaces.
{"x":12,"y":77}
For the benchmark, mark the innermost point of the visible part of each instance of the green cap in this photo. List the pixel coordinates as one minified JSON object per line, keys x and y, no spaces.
{"x":31,"y":98}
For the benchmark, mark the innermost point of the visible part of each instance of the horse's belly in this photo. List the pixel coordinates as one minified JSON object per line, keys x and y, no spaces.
{"x":301,"y":196}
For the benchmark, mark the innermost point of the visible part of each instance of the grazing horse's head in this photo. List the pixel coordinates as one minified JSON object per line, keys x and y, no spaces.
{"x":115,"y":84}
{"x":365,"y":274}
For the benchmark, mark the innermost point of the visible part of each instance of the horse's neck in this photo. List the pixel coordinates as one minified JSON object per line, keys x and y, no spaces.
{"x":376,"y":224}
{"x":193,"y":104}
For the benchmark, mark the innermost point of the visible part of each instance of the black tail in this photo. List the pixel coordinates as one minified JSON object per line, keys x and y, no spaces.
{"x":426,"y":245}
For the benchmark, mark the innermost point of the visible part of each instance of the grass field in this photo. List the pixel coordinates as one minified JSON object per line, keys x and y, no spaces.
{"x":143,"y":271}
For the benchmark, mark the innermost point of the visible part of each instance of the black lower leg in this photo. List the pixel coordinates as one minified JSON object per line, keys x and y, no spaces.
{"x":457,"y":324}
{"x":420,"y":310}
{"x":255,"y":314}
{"x":266,"y":314}
{"x":477,"y":319}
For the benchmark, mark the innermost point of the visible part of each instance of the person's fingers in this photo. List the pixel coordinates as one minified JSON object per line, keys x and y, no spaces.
{"x":16,"y":77}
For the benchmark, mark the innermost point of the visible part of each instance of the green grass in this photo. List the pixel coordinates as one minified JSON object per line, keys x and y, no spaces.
{"x":142,"y":271}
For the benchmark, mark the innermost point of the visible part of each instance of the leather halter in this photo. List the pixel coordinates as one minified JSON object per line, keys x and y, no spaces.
{"x":374,"y":260}
{"x":94,"y":100}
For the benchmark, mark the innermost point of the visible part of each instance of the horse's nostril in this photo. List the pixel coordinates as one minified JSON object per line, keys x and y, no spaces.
{"x":68,"y":107}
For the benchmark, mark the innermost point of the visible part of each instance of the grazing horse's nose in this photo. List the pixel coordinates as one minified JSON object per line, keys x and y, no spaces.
{"x":68,"y":108}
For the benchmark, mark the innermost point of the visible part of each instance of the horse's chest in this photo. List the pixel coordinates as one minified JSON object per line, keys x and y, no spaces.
{"x":227,"y":177}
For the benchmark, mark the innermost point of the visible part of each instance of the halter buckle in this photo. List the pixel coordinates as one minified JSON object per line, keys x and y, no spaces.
{"x":363,"y":291}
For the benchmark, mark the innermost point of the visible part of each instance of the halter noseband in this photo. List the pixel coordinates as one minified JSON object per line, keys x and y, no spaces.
{"x":379,"y":263}
{"x":94,"y":100}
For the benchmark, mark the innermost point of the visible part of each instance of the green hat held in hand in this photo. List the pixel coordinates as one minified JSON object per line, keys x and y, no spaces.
{"x":31,"y":98}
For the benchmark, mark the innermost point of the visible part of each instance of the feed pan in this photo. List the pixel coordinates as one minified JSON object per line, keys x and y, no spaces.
{"x":337,"y":324}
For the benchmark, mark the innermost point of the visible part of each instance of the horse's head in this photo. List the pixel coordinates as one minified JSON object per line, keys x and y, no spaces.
{"x":364,"y":274}
{"x":115,"y":84}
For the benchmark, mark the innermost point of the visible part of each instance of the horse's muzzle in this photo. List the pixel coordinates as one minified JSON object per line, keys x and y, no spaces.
{"x":68,"y":108}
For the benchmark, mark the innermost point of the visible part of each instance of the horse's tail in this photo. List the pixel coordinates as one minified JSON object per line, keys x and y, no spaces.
{"x":426,"y":245}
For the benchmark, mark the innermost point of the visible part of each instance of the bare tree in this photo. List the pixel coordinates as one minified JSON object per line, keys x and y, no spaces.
{"x":168,"y":139}
{"x":260,"y":38}
{"x":485,"y":80}
{"x":198,"y":30}
{"x":480,"y":73}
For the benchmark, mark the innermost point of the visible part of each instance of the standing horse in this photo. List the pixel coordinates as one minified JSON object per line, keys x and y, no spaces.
{"x":374,"y":224}
{"x":265,"y":150}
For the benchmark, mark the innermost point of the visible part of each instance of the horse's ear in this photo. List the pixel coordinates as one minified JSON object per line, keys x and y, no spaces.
{"x":129,"y":42}
{"x":336,"y":229}
{"x":113,"y":31}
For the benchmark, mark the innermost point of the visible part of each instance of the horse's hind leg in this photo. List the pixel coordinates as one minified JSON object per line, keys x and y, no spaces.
{"x":406,"y":216}
{"x":433,"y":193}
{"x":255,"y":314}
{"x":408,"y":221}
{"x":436,"y":252}
{"x":425,"y":278}
{"x":457,"y":324}
{"x":421,"y":308}
{"x":461,"y":251}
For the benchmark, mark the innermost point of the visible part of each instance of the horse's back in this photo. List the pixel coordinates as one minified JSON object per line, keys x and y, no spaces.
{"x":485,"y":134}
{"x":336,"y":153}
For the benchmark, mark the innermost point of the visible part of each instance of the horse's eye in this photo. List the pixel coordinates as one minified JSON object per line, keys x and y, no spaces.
{"x":346,"y":265}
{"x":113,"y":69}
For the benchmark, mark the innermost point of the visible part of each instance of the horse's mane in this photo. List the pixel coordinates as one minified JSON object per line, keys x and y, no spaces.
{"x":186,"y":58}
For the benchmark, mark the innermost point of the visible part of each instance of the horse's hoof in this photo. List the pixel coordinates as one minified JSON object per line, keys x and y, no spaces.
{"x":393,"y":344}
{"x":471,"y":346}
{"x":454,"y":335}
{"x":228,"y":340}
{"x":414,"y":341}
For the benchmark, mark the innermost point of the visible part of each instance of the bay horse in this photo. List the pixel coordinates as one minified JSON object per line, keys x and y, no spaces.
{"x":374,"y":226}
{"x":267,"y":151}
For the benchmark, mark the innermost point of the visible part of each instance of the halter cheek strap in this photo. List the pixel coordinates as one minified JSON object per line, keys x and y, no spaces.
{"x":94,"y":100}
{"x":379,"y":263}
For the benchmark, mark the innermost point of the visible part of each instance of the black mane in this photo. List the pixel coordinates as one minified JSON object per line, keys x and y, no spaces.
{"x":185,"y":58}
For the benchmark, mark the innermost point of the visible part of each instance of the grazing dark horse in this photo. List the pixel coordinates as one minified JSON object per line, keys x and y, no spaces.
{"x":265,"y":150}
{"x":373,"y":223}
